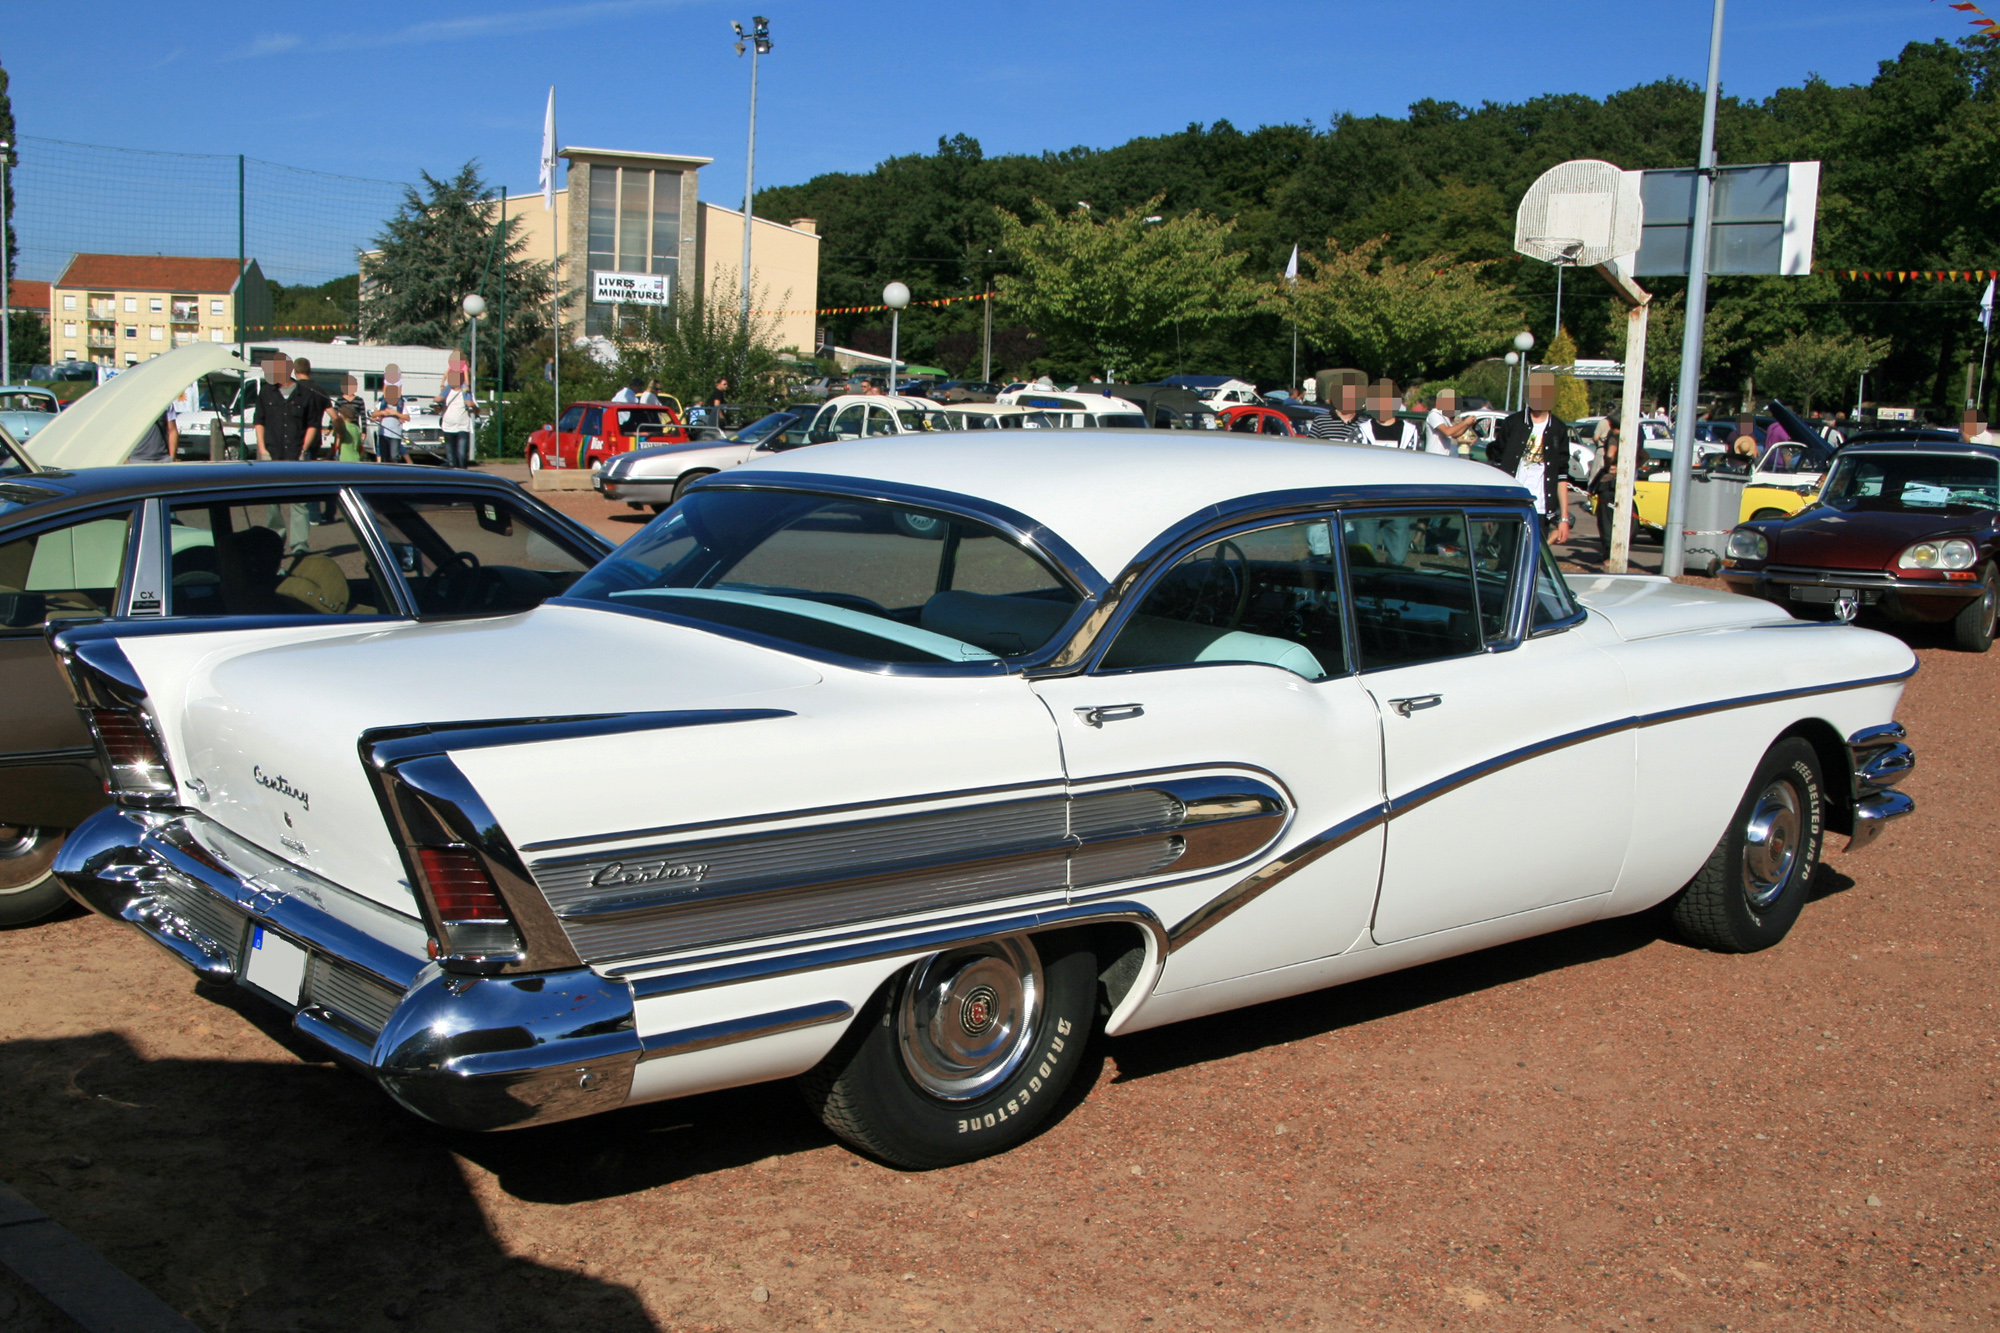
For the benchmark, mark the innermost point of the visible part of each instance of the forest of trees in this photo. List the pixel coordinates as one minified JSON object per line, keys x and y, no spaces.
{"x":1911,"y":182}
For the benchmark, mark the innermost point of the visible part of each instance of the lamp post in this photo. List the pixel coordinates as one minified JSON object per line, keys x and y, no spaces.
{"x":1524,"y":342}
{"x":895,"y":296}
{"x":7,"y":314}
{"x":759,"y":39}
{"x":1513,"y":359}
{"x":474,"y":306}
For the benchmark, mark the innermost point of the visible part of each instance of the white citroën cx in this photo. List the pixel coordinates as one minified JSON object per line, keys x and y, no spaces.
{"x":1128,"y":727}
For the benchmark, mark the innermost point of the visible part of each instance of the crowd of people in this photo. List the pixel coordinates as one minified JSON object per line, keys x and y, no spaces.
{"x":298,"y":420}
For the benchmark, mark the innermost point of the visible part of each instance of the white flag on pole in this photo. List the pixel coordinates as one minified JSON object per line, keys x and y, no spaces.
{"x":1986,"y":307}
{"x":1292,"y":268}
{"x":549,"y":154}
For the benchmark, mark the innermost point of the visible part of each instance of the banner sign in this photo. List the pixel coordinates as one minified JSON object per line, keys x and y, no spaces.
{"x":630,"y":288}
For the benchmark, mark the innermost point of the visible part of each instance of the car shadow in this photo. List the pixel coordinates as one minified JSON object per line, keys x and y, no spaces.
{"x":1317,"y":1013}
{"x":272,"y":1195}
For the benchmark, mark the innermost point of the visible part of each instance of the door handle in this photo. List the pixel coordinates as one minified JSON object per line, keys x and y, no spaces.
{"x":1415,"y":703}
{"x":1098,"y":714}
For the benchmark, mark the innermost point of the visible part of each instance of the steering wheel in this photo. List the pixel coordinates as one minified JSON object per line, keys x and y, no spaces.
{"x":453,"y":580}
{"x":1240,"y":575}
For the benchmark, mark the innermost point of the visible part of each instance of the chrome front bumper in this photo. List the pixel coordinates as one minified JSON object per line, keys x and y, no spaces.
{"x":469,"y":1052}
{"x":1881,"y":760}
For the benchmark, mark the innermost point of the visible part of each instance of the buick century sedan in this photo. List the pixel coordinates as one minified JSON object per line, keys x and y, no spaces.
{"x":1124,"y":731}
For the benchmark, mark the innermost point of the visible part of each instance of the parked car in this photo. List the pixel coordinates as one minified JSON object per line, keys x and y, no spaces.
{"x":907,"y":815}
{"x":1084,"y":411}
{"x":315,"y":545}
{"x":1907,"y":526}
{"x":1166,"y":406}
{"x":654,"y":478}
{"x":25,"y":409}
{"x":593,"y":432}
{"x":1251,"y":420}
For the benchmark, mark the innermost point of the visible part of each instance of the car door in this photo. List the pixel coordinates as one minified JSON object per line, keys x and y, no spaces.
{"x":1507,"y":749}
{"x":589,"y":434}
{"x":69,"y":569}
{"x":1232,"y":666}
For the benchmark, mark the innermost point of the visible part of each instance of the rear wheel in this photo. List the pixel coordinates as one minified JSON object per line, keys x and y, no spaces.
{"x":1972,"y":628}
{"x":29,"y":889}
{"x":681,"y":486}
{"x":1752,"y":887}
{"x":964,"y":1055}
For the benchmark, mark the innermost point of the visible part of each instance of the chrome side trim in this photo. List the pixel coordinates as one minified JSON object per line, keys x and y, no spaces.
{"x":710,"y":1035}
{"x":1311,"y":849}
{"x":891,"y":946}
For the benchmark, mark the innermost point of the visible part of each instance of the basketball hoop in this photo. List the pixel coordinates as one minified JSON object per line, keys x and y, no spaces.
{"x":1576,"y":214}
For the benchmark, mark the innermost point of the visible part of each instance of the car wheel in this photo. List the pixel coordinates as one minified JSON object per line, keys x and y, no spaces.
{"x":534,"y":464}
{"x":929,"y":527}
{"x":1749,"y":892}
{"x":1768,"y":513}
{"x":29,"y":889}
{"x":681,"y":486}
{"x":964,"y":1055}
{"x":1972,"y":628}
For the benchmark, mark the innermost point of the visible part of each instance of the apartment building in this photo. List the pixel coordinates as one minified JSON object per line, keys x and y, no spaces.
{"x":119,"y":310}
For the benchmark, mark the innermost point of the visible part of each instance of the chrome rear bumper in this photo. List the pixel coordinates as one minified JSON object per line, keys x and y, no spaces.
{"x":1881,"y":760}
{"x":469,"y":1052}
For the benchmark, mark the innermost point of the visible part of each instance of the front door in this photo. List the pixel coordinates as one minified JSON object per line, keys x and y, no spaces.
{"x":1234,"y":670}
{"x":1509,"y":769}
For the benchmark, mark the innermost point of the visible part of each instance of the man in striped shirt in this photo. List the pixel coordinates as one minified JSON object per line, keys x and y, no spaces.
{"x":1343,"y":424}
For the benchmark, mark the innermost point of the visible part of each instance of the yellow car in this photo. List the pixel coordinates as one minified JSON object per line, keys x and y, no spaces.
{"x":1649,"y":501}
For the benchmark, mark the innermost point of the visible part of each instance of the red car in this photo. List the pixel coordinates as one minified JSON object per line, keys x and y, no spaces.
{"x":593,"y":432}
{"x":1253,"y":420}
{"x":1907,"y":526}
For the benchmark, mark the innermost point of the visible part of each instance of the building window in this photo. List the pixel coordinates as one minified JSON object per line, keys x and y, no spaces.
{"x":635,"y":215}
{"x":215,"y":307}
{"x":69,"y":330}
{"x":155,"y":332}
{"x":69,"y":303}
{"x":131,"y":330}
{"x":218,"y":335}
{"x":131,"y":358}
{"x":69,"y":354}
{"x":157,"y":305}
{"x":131,"y":305}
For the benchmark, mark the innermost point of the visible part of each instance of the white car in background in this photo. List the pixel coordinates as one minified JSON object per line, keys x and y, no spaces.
{"x":1079,"y":410}
{"x":654,"y":478}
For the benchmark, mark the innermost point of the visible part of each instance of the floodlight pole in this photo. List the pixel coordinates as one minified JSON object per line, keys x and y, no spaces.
{"x":1672,"y":560}
{"x":7,"y":315}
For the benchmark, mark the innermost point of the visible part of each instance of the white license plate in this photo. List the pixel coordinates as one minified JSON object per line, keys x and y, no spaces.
{"x":1807,"y":592}
{"x":275,"y":965}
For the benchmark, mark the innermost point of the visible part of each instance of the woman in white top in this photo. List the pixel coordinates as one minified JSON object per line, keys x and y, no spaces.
{"x":456,"y":411}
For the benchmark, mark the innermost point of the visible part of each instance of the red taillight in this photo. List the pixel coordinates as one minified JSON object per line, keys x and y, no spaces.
{"x":460,"y":886}
{"x":137,"y":768}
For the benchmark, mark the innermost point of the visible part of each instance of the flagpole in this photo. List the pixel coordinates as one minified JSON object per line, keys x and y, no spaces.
{"x":555,"y":261}
{"x":1985,"y":343}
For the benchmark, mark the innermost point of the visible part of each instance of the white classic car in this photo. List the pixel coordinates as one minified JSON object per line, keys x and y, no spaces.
{"x":1128,"y":731}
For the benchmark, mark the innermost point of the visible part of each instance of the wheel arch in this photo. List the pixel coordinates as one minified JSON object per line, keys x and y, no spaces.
{"x":1836,"y":769}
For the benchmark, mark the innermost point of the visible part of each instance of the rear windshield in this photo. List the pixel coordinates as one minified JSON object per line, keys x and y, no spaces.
{"x":859,"y":578}
{"x":1915,"y":482}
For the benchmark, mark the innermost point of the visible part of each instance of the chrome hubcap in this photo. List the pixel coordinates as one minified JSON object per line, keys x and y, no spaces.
{"x":19,"y":864}
{"x":967,"y":1018}
{"x":1771,"y":844}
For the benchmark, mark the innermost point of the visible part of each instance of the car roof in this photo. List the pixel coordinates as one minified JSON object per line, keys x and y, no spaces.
{"x":137,"y":481}
{"x":1109,"y":493}
{"x":1914,"y":435}
{"x":1912,"y":442}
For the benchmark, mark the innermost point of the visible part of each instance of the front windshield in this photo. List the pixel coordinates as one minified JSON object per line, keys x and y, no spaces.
{"x":1913,"y":482}
{"x":764,"y":428}
{"x":859,"y":578}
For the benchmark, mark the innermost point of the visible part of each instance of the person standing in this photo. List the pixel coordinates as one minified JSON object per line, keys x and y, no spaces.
{"x":456,"y":411}
{"x":1343,"y":424}
{"x":390,"y":419}
{"x":630,"y":393}
{"x":1442,"y":433}
{"x":287,"y":419}
{"x":350,"y":396}
{"x":319,"y":402}
{"x":1532,"y":446}
{"x":652,"y":395}
{"x":1603,"y":488}
{"x":1381,"y":428}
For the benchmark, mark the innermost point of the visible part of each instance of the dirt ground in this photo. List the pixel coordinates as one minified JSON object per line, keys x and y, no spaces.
{"x":1600,"y":1129}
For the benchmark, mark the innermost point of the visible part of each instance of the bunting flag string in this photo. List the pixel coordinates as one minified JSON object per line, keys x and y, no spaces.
{"x":1987,"y":27}
{"x":1919,"y":275}
{"x":870,"y":309}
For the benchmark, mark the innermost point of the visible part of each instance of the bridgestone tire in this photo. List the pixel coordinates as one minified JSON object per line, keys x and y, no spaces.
{"x":681,"y":486}
{"x":1972,"y":628}
{"x":29,"y":889}
{"x":865,"y":1092}
{"x":1722,"y":907}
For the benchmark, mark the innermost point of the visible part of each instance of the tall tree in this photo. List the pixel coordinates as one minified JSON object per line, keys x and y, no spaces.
{"x":439,"y":248}
{"x":1406,"y":321}
{"x":1114,"y":288}
{"x":1809,"y":366}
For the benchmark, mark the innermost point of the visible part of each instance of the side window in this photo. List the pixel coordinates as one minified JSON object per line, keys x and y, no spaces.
{"x":1412,"y":586}
{"x":1245,"y":422}
{"x":1271,"y":596}
{"x":571,"y":418}
{"x":67,"y":573}
{"x":848,"y":424}
{"x":880,"y":422}
{"x":466,"y":555}
{"x":297,"y":556}
{"x":1275,"y":426}
{"x":1554,"y":602}
{"x":593,"y":421}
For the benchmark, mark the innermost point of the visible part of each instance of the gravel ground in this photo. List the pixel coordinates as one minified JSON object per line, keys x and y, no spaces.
{"x":1600,"y":1129}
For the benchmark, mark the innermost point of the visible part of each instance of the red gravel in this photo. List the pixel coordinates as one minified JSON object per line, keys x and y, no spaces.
{"x":1600,"y":1129}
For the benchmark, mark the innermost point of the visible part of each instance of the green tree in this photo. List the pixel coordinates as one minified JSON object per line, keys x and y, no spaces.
{"x":1406,"y":321}
{"x":1114,"y":290}
{"x":439,"y":248}
{"x":692,"y":344}
{"x":1812,"y":366}
{"x":1572,"y":394}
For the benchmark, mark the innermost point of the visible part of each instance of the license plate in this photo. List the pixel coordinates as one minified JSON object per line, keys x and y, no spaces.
{"x":275,"y":965}
{"x":1806,"y":592}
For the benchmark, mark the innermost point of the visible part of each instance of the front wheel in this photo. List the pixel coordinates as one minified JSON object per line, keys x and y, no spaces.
{"x":29,"y":890}
{"x":1753,"y":885}
{"x":534,"y":464}
{"x":1768,"y":513}
{"x":681,"y":486}
{"x":964,"y":1055}
{"x":1972,"y":628}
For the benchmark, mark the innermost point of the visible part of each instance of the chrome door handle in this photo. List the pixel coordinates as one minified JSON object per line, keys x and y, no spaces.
{"x":1097,"y":715}
{"x":1405,"y":707}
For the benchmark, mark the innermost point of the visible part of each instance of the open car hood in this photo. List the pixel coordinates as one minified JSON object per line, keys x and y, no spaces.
{"x":105,"y":425}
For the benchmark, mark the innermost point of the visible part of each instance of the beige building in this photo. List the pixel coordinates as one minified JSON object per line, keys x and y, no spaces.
{"x":631,"y":223}
{"x":119,"y":310}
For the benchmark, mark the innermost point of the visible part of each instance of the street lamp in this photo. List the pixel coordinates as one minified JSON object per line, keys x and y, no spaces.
{"x":1524,"y":342}
{"x":895,"y":296}
{"x":759,"y":39}
{"x":1513,"y":359}
{"x":474,"y":306}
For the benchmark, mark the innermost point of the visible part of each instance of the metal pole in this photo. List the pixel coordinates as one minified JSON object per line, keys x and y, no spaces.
{"x":986,"y":352}
{"x":1985,"y":345}
{"x":6,"y":264}
{"x":1860,"y":393}
{"x":555,"y":270}
{"x":242,"y":266}
{"x":895,"y":327}
{"x":500,"y":354}
{"x":1673,"y":560}
{"x":1559,"y":302}
{"x":749,"y":177}
{"x":472,"y":393}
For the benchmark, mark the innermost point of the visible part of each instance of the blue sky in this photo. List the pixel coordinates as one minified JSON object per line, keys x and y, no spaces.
{"x":382,"y":90}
